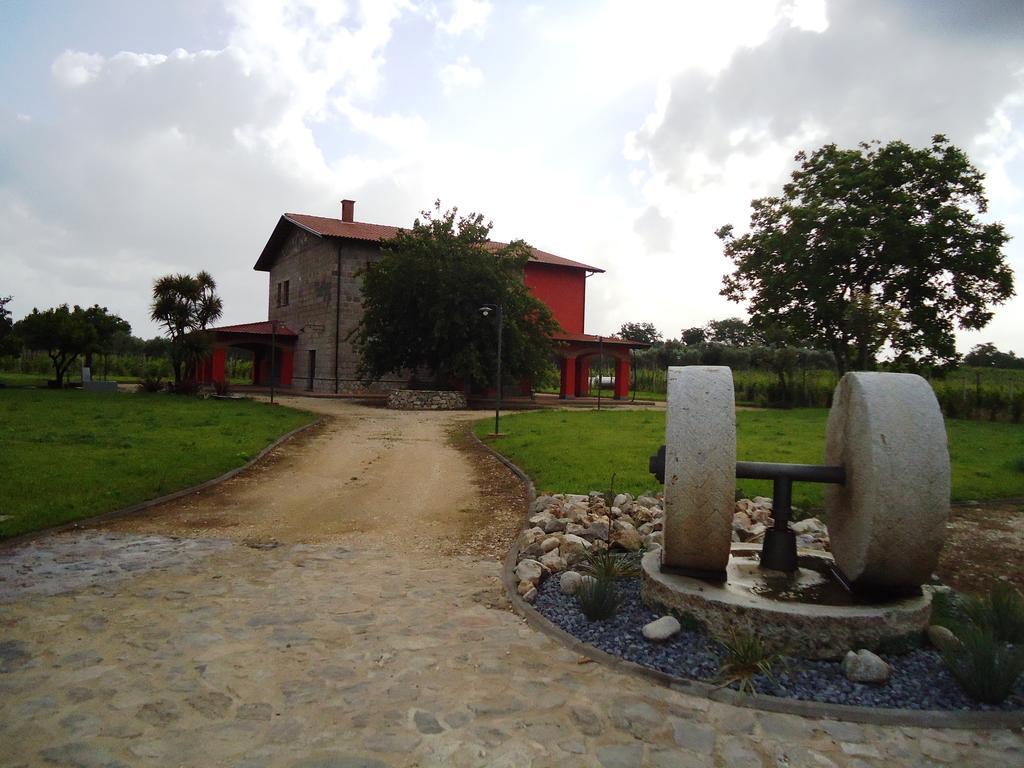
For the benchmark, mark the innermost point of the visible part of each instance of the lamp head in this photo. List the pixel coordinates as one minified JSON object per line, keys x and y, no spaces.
{"x":485,"y":310}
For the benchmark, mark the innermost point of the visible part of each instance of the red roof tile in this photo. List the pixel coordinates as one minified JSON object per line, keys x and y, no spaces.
{"x":257,"y":329}
{"x":589,"y":338}
{"x":358,"y":230}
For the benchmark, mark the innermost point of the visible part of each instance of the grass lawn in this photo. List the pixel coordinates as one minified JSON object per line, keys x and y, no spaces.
{"x":67,"y":454}
{"x":577,"y":451}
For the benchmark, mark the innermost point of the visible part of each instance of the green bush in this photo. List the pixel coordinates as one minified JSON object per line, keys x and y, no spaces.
{"x":152,"y":379}
{"x":598,"y":598}
{"x":743,"y":657}
{"x":1001,"y":611}
{"x":985,"y":666}
{"x":601,"y":563}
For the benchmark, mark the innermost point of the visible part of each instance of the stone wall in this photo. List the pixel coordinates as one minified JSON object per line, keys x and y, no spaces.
{"x":311,"y":266}
{"x":426,"y":400}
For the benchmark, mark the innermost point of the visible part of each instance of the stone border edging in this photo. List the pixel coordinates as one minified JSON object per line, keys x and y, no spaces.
{"x":144,"y":505}
{"x":801,"y":707}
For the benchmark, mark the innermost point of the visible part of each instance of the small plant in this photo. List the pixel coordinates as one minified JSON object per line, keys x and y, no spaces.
{"x":985,"y":666}
{"x":598,"y":598}
{"x":601,"y":563}
{"x":609,"y":495}
{"x":152,"y":379}
{"x":744,"y":657}
{"x":1001,"y":611}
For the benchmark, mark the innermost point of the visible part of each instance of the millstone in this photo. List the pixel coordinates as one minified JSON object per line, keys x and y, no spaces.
{"x":887,"y":524}
{"x":700,"y":468}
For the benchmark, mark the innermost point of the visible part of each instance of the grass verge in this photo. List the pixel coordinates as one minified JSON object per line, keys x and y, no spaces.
{"x":577,"y":451}
{"x":66,"y":454}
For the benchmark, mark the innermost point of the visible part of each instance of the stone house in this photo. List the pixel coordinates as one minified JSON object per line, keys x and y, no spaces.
{"x":313,"y":266}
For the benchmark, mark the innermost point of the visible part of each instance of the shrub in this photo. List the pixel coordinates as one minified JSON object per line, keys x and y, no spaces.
{"x":1001,"y":611}
{"x":185,"y":387}
{"x":743,"y":657}
{"x":985,"y":666}
{"x":598,"y":598}
{"x":602,"y":564}
{"x":222,"y":388}
{"x":152,"y":379}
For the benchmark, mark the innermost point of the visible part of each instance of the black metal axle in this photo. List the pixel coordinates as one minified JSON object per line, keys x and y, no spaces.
{"x":779,"y":549}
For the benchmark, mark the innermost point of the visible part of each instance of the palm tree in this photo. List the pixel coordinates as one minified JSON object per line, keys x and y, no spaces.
{"x":185,"y":306}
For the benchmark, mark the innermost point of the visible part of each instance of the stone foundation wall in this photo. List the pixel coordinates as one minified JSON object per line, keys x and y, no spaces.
{"x":426,"y":400}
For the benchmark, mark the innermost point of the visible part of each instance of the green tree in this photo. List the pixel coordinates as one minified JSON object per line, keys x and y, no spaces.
{"x":185,"y":306}
{"x":421,"y":305}
{"x":8,"y":339}
{"x":644,"y":332}
{"x":732,"y":332}
{"x":62,"y":333}
{"x":108,"y":328}
{"x":871,"y":248}
{"x":693,"y":336}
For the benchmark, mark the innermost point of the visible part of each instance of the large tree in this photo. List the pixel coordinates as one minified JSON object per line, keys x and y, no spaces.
{"x":109,"y":328}
{"x":869,"y":248}
{"x":62,"y":333}
{"x":644,"y":332}
{"x":185,"y":306}
{"x":421,"y":305}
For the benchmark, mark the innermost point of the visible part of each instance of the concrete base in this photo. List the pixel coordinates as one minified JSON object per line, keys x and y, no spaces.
{"x":766,"y":604}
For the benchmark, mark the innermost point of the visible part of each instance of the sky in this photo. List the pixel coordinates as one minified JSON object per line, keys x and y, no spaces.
{"x":139,"y":139}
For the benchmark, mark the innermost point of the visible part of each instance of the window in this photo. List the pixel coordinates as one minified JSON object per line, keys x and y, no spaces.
{"x":282,"y":293}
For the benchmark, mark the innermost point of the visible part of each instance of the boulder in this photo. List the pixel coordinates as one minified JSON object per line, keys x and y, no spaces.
{"x":942,"y":638}
{"x":625,"y":537}
{"x":576,"y":498}
{"x":541,"y":519}
{"x":569,"y":582}
{"x":621,"y":499}
{"x":553,"y":562}
{"x":550,"y":543}
{"x":524,"y":587}
{"x":741,"y":521}
{"x":662,"y":629}
{"x":648,"y":501}
{"x":573,"y":548}
{"x":574,"y":529}
{"x":575,"y":513}
{"x":530,"y":570}
{"x":863,"y":666}
{"x":811,"y":525}
{"x":543,"y":502}
{"x":531,"y":595}
{"x":653,"y":540}
{"x":596,"y":530}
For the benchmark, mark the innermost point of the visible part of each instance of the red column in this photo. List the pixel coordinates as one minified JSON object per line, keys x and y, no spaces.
{"x":582,"y":378}
{"x":287,"y":364}
{"x":217,"y":363}
{"x":567,"y":383}
{"x":622,"y":378}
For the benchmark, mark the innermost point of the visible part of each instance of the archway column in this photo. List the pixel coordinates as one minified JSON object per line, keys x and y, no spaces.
{"x":582,"y":377}
{"x":622,"y":371}
{"x":567,"y":379}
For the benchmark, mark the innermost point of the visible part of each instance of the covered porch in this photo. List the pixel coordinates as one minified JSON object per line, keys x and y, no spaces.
{"x":577,"y":351}
{"x":269,"y":343}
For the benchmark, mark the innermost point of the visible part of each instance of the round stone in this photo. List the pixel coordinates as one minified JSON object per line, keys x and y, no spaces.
{"x":887,"y":524}
{"x":700,"y":468}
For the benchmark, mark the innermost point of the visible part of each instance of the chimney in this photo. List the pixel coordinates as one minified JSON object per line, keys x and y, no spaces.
{"x":348,"y":210}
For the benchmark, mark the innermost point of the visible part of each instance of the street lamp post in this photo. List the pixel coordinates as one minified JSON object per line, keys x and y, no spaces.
{"x":485,"y":310}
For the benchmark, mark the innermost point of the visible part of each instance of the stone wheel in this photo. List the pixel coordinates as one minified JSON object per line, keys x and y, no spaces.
{"x":888,"y":523}
{"x":700,"y":468}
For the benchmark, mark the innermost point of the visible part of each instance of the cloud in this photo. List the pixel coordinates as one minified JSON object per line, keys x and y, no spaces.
{"x":460,"y":74}
{"x":466,"y":16}
{"x":73,"y":68}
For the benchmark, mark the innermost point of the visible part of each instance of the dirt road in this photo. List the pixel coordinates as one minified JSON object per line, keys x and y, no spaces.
{"x":409,"y":481}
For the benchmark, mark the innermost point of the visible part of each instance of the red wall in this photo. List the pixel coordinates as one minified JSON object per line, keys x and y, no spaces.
{"x":562,"y":289}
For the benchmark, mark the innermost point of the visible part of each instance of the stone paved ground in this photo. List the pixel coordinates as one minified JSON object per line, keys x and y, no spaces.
{"x":209,"y":652}
{"x":317,"y":655}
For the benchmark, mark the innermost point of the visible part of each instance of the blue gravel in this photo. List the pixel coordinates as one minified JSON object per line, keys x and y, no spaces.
{"x":920,"y":679}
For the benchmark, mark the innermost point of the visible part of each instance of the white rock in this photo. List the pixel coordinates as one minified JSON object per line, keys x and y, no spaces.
{"x":575,"y":513}
{"x":541,"y":519}
{"x":531,"y":595}
{"x":553,"y":562}
{"x":573,"y":548}
{"x":647,"y":501}
{"x":661,"y":629}
{"x":530,"y":570}
{"x":942,"y":638}
{"x":621,"y":499}
{"x":543,"y":502}
{"x":653,"y":540}
{"x":575,"y":498}
{"x":569,"y":582}
{"x":864,"y":666}
{"x":550,"y":543}
{"x":524,"y":587}
{"x":811,"y":525}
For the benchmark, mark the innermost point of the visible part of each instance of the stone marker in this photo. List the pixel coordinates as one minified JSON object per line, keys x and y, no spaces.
{"x":700,"y":468}
{"x":887,"y":524}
